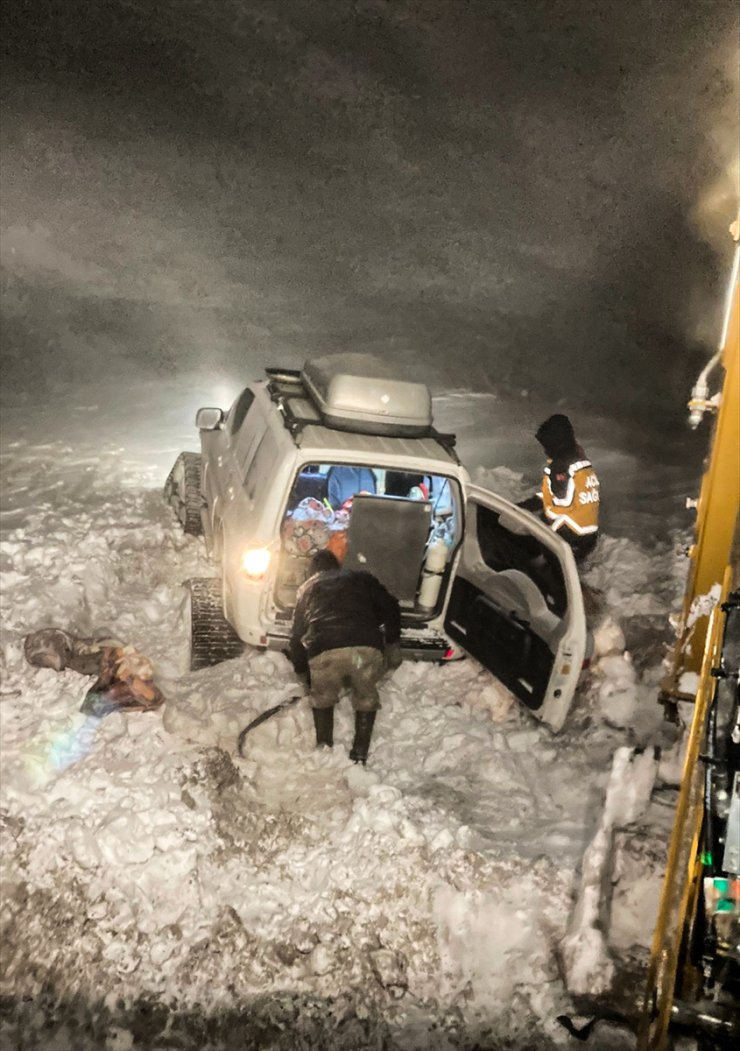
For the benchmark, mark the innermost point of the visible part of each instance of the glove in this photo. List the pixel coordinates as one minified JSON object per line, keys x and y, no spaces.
{"x":296,"y":654}
{"x":393,"y":656}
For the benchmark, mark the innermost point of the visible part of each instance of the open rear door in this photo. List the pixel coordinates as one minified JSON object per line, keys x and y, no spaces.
{"x":516,"y":605}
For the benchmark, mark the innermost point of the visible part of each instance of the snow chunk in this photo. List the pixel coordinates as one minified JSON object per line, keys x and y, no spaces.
{"x":11,"y":579}
{"x":523,"y":740}
{"x":486,"y":940}
{"x":83,"y":845}
{"x":442,"y":841}
{"x":703,"y":605}
{"x":588,"y":967}
{"x":117,"y":1039}
{"x":390,"y":970}
{"x":608,"y":638}
{"x":688,"y":683}
{"x":322,"y":960}
{"x":124,"y":839}
{"x":492,"y":697}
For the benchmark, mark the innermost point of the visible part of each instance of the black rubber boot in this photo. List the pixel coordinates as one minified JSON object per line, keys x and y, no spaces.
{"x":364,"y":722}
{"x":323,"y":720}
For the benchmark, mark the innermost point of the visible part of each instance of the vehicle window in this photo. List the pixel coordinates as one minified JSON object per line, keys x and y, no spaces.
{"x":330,"y":489}
{"x":239,"y":410}
{"x":310,"y":481}
{"x":501,"y":549}
{"x":401,"y":483}
{"x":343,"y":481}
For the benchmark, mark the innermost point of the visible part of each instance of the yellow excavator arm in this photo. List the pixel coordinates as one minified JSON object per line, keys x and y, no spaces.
{"x":717,"y":507}
{"x":694,"y":972}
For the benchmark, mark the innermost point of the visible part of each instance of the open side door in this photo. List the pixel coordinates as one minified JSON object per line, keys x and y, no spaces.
{"x":516,"y":605}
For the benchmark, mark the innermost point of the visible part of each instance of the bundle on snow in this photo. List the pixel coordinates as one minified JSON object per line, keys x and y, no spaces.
{"x":57,"y":649}
{"x":124,"y":676}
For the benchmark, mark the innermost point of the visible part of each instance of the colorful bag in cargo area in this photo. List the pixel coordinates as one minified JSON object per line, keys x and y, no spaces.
{"x":308,"y":529}
{"x":338,"y":544}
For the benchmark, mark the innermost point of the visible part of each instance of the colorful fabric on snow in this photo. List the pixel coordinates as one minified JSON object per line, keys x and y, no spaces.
{"x":124,"y":676}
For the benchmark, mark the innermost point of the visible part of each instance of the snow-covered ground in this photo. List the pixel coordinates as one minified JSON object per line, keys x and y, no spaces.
{"x":160,"y":892}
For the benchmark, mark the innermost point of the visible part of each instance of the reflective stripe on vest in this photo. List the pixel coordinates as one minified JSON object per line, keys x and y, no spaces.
{"x":578,"y":510}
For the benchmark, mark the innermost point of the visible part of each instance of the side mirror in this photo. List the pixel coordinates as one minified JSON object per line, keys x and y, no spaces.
{"x":209,"y":419}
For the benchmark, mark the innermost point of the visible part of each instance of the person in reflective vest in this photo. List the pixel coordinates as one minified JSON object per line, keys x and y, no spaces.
{"x":569,"y":497}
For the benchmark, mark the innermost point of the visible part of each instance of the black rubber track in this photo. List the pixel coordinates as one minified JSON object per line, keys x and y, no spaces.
{"x":182,"y":492}
{"x":212,"y":638}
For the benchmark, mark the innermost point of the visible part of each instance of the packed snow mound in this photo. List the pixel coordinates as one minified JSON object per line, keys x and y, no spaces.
{"x":589,"y":968}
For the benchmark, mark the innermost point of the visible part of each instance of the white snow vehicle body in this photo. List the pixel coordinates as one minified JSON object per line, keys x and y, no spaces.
{"x":472,"y":571}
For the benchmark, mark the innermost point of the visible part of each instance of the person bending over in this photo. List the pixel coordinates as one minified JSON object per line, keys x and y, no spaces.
{"x":346,"y":632}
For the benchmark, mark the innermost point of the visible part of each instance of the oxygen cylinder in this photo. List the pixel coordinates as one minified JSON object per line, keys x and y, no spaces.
{"x":431,"y":577}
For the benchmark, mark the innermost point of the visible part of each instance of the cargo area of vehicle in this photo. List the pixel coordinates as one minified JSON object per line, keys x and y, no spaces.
{"x":402,"y":526}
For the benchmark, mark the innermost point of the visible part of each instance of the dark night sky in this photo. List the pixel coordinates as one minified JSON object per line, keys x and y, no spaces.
{"x":524,"y":192}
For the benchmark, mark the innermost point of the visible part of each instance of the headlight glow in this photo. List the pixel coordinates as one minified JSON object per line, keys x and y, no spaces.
{"x":255,"y":561}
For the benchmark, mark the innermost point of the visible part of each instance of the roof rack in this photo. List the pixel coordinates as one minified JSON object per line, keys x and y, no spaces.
{"x":285,"y":385}
{"x":286,"y":375}
{"x":448,"y":443}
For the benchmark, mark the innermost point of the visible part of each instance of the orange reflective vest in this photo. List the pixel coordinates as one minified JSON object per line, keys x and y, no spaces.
{"x":578,"y":508}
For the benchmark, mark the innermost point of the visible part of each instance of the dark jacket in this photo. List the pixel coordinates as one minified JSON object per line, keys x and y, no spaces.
{"x":339,"y":608}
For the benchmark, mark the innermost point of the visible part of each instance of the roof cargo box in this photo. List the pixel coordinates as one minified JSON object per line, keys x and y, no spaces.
{"x":356,"y":392}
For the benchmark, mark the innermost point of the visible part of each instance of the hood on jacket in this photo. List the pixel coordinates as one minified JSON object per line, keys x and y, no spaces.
{"x":557,"y":438}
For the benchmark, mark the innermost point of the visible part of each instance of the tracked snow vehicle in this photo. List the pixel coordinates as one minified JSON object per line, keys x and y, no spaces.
{"x":342,"y":454}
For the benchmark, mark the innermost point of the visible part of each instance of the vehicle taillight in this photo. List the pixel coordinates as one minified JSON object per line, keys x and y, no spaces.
{"x":255,"y":562}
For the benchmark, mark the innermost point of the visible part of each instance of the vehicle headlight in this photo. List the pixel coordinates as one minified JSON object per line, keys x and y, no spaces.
{"x":255,"y":562}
